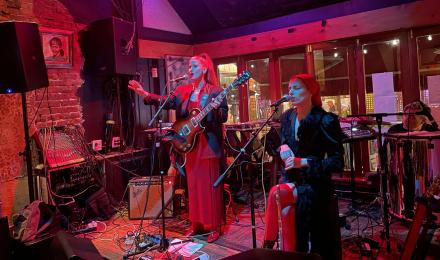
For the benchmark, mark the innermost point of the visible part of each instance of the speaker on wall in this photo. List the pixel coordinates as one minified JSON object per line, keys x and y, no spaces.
{"x":109,"y":46}
{"x":22,"y":66}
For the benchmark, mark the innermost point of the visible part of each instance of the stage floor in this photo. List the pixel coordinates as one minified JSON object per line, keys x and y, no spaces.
{"x":237,"y":237}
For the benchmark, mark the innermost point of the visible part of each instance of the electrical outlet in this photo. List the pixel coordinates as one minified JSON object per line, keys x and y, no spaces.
{"x":116,"y":142}
{"x":97,"y":145}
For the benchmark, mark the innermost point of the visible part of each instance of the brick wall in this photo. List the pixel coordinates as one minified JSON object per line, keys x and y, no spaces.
{"x":60,"y":103}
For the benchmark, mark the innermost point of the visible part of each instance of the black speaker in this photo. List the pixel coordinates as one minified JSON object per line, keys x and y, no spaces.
{"x":22,"y":66}
{"x":65,"y":246}
{"x":109,"y":46}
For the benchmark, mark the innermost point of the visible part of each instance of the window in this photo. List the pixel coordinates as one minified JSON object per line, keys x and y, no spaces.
{"x":382,"y":83}
{"x":380,"y":58}
{"x":331,"y":72}
{"x":227,"y":74}
{"x":428,"y":47}
{"x":258,"y":89}
{"x":290,"y":65}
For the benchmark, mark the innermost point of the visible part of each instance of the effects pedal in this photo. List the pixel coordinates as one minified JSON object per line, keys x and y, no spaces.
{"x":91,"y":226}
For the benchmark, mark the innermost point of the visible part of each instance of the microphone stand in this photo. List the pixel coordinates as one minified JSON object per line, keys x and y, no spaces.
{"x":383,"y":170}
{"x":164,"y":243}
{"x":251,"y":189}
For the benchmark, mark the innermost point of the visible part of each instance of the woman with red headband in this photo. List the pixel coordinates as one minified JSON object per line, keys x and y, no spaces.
{"x":203,"y":161}
{"x":304,"y":204}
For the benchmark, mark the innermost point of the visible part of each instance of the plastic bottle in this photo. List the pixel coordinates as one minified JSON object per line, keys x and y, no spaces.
{"x":285,"y":153}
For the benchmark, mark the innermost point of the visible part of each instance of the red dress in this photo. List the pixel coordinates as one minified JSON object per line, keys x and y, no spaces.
{"x":203,"y":168}
{"x":203,"y":162}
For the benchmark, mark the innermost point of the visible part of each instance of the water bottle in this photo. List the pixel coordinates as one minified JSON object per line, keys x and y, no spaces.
{"x":285,"y":153}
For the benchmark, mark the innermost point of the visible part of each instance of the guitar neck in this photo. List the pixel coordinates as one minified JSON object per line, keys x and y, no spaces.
{"x":210,"y":106}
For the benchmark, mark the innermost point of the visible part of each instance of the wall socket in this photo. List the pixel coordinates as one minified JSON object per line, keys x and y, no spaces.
{"x":116,"y":142}
{"x":97,"y":145}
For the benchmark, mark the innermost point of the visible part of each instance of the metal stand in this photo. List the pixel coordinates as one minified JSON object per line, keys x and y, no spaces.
{"x":28,"y":149}
{"x":251,"y":190}
{"x":383,"y":170}
{"x":119,"y":107}
{"x":354,"y":210}
{"x":384,"y":176}
{"x":164,"y":243}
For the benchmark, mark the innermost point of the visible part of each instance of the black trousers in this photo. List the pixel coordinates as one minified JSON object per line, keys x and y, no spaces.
{"x":322,"y":229}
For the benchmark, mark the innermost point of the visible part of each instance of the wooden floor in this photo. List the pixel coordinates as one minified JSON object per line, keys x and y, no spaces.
{"x":237,"y":237}
{"x":111,"y":235}
{"x":111,"y":243}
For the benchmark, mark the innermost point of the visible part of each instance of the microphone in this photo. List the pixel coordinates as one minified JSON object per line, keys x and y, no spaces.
{"x":281,"y":100}
{"x":184,"y":76}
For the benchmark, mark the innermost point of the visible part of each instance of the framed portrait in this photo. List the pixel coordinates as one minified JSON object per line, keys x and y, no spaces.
{"x":57,"y":47}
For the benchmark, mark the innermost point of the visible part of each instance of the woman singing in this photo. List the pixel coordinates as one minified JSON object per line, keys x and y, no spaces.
{"x":203,"y":161}
{"x":305,"y":198}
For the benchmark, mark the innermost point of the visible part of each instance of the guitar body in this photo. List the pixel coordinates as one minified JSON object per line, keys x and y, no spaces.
{"x":185,"y":132}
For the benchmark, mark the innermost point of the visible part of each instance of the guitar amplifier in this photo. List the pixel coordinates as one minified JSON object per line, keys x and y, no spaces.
{"x":146,"y":192}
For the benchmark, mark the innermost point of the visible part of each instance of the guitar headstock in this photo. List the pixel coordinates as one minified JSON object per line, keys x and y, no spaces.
{"x":243,"y":77}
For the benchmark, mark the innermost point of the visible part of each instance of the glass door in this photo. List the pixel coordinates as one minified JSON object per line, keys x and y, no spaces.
{"x":259,"y":92}
{"x":428,"y":48}
{"x":290,"y":64}
{"x":331,"y":72}
{"x":227,"y":73}
{"x":383,"y":90}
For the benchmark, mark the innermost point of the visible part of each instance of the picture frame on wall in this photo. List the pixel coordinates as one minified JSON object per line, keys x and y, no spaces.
{"x":57,"y":47}
{"x":176,"y":66}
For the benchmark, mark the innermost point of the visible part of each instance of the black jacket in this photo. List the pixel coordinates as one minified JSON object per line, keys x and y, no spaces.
{"x":320,"y":141}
